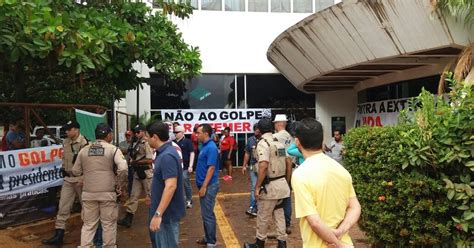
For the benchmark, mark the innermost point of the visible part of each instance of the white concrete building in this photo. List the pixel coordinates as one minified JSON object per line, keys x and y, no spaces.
{"x":233,"y":37}
{"x":354,"y":52}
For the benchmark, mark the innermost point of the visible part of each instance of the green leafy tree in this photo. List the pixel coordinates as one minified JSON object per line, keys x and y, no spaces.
{"x":61,"y":51}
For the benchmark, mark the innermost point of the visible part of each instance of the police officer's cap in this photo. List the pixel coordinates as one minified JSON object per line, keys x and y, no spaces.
{"x":71,"y":124}
{"x":139,"y":127}
{"x":265,"y":125}
{"x":102,"y":129}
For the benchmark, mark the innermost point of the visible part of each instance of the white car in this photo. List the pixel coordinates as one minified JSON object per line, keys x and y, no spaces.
{"x":58,"y":132}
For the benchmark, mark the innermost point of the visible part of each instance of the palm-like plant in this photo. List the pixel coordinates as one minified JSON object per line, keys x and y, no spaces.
{"x":462,"y":11}
{"x":144,"y":119}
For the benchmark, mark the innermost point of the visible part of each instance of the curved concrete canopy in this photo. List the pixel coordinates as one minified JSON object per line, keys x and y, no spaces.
{"x":364,"y":43}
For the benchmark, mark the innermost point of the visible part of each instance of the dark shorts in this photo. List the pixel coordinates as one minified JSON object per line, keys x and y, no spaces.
{"x":225,"y":154}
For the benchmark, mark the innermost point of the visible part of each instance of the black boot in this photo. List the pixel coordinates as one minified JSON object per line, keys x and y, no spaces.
{"x":258,"y":244}
{"x":281,"y":244}
{"x":126,"y":221}
{"x":57,"y":239}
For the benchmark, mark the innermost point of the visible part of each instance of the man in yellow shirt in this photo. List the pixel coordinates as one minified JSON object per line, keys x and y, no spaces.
{"x":325,"y":200}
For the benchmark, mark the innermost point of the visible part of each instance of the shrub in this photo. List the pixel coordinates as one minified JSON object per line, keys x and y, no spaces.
{"x":414,"y":180}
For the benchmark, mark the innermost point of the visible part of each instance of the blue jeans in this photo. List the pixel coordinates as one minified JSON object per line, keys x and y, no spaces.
{"x":253,"y":182}
{"x":207,"y":212}
{"x":98,"y":236}
{"x":188,"y":192}
{"x":287,"y":209}
{"x":167,"y":236}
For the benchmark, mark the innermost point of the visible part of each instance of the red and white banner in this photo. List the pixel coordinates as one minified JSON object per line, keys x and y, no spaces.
{"x":28,"y":184}
{"x":383,"y":113}
{"x":239,"y":120}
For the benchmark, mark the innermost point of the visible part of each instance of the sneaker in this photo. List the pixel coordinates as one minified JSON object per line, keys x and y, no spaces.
{"x":189,"y":204}
{"x":249,"y":211}
{"x":254,"y":212}
{"x":227,"y":178}
{"x":201,"y":241}
{"x":288,"y":230}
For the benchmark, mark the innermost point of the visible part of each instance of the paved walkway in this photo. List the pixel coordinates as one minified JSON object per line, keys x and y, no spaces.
{"x":234,"y":226}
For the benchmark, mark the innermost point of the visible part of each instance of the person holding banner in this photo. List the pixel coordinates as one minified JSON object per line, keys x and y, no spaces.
{"x":72,"y":185}
{"x":104,"y":170}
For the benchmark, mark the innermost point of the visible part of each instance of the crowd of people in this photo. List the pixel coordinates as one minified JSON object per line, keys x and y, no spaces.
{"x":158,"y":160}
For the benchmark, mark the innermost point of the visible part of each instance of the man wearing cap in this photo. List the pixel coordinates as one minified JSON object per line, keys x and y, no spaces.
{"x":187,"y":151}
{"x":285,"y":138}
{"x":104,"y":170}
{"x":141,"y":159}
{"x":271,"y":187}
{"x":72,"y":185}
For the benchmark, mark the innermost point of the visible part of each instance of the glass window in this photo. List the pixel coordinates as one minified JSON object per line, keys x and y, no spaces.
{"x":281,"y":6}
{"x":403,"y":89}
{"x":212,"y":91}
{"x":258,"y":5}
{"x":167,"y":95}
{"x":275,"y":91}
{"x":194,"y":4}
{"x":302,"y":6}
{"x":211,"y":5}
{"x":206,"y":92}
{"x":234,"y":5}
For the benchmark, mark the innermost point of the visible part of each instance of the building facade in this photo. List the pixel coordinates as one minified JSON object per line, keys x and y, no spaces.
{"x":233,"y":37}
{"x":367,"y":57}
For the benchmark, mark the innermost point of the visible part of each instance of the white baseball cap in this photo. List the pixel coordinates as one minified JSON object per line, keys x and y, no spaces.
{"x":280,"y":117}
{"x":179,"y":129}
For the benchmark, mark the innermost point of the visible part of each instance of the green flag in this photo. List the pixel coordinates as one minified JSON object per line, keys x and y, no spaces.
{"x":88,"y":122}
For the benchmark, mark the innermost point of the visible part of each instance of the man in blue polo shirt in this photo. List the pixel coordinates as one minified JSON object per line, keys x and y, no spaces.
{"x":167,"y":203}
{"x":207,"y":181}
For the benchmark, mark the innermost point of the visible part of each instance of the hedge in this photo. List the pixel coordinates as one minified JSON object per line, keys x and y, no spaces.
{"x":414,"y":180}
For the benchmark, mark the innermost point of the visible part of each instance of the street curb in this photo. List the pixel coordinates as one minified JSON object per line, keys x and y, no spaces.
{"x":42,"y":227}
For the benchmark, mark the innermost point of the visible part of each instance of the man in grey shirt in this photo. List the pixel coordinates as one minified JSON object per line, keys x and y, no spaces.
{"x":335,"y":149}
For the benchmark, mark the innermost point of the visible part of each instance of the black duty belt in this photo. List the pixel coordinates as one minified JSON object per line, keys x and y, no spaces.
{"x":276,"y":178}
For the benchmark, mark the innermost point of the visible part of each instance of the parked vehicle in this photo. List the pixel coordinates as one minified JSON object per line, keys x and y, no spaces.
{"x":58,"y":132}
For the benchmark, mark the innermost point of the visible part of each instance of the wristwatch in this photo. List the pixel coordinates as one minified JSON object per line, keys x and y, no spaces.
{"x":157,"y":214}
